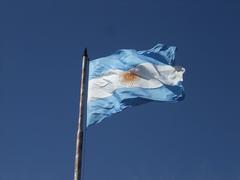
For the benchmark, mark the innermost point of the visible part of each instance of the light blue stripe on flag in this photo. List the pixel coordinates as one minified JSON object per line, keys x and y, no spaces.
{"x":125,"y":59}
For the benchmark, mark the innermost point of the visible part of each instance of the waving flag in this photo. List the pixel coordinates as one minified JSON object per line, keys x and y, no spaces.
{"x":129,"y":77}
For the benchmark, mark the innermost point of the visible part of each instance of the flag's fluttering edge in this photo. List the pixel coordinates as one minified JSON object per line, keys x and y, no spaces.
{"x":129,"y":77}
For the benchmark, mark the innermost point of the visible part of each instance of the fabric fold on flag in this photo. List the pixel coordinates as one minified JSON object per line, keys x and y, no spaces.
{"x":129,"y":77}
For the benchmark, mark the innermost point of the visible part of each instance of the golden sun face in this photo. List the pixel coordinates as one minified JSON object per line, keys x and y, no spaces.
{"x":128,"y":78}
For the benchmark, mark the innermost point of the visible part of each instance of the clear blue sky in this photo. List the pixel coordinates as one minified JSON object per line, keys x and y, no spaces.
{"x":40,"y":47}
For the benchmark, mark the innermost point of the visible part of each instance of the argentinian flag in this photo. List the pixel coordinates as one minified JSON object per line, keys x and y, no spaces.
{"x":129,"y":77}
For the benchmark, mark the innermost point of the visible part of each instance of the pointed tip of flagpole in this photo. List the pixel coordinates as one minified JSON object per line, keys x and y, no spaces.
{"x":85,"y":52}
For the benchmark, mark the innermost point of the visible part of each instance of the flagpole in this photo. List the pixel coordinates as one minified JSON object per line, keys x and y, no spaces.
{"x":79,"y":141}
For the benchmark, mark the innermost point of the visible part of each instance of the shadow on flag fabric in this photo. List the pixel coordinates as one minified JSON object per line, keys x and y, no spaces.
{"x":129,"y":78}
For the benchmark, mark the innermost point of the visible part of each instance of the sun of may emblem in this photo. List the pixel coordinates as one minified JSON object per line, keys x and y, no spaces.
{"x":128,"y":78}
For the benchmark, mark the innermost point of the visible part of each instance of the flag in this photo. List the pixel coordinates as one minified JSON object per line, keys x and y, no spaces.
{"x":129,"y":78}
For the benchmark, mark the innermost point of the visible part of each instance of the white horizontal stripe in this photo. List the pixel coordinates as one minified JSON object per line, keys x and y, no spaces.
{"x":145,"y":75}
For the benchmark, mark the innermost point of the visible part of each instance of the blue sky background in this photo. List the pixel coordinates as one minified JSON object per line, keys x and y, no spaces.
{"x":40,"y":47}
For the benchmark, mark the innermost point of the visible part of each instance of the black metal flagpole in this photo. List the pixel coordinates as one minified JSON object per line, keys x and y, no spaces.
{"x":79,"y":142}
